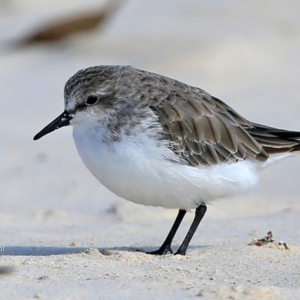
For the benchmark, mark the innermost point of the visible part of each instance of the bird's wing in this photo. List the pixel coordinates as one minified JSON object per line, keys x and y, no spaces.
{"x":202,"y":129}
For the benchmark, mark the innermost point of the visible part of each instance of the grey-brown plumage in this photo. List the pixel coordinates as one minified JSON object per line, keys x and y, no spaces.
{"x":202,"y":129}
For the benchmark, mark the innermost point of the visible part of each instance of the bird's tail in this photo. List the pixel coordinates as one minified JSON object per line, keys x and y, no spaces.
{"x":274,"y":140}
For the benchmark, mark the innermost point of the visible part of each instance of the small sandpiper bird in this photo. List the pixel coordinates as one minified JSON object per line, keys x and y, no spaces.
{"x":160,"y":142}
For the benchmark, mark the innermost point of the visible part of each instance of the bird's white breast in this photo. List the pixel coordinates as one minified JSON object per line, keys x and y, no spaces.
{"x":136,"y":168}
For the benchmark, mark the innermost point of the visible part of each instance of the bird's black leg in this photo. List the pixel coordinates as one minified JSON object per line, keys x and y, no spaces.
{"x":166,"y":246}
{"x":199,"y":214}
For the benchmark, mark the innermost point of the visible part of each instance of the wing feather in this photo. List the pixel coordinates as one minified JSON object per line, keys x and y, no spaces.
{"x":203,"y":130}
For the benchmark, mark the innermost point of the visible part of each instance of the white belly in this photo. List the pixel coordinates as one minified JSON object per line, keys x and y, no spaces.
{"x":136,"y":169}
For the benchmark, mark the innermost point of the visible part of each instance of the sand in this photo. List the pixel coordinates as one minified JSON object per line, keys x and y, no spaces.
{"x":64,"y":236}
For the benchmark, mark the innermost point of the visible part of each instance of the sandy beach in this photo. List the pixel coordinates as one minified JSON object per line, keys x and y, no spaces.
{"x":65,"y":236}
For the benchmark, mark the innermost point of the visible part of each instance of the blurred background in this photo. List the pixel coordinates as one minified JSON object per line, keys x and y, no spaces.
{"x":243,"y":52}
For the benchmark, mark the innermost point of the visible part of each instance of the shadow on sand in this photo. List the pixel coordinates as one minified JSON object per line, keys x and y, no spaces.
{"x":46,"y":251}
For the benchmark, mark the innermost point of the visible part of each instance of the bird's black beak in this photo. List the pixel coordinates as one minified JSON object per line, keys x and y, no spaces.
{"x":60,"y":121}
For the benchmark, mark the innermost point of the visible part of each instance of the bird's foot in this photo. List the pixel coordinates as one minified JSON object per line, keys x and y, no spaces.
{"x":163,"y":250}
{"x":180,"y":252}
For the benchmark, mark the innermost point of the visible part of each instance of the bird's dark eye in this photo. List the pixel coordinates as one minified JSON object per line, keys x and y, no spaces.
{"x":91,"y":100}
